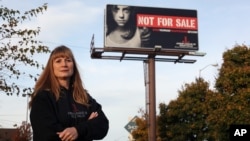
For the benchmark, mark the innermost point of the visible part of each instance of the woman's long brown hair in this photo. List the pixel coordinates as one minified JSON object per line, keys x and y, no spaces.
{"x":47,"y":80}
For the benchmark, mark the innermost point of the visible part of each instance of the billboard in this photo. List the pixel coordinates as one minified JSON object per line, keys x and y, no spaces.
{"x":149,"y":27}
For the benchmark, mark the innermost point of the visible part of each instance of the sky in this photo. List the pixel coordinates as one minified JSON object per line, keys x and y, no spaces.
{"x":119,"y":85}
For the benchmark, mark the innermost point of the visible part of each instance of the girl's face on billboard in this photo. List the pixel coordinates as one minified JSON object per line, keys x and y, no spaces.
{"x":121,"y":14}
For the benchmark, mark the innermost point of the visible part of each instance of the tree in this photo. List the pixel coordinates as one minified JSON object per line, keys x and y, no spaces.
{"x":24,"y":132}
{"x":162,"y":122}
{"x":141,"y":133}
{"x":185,"y":118}
{"x":235,"y":71}
{"x":17,"y":48}
{"x":202,"y":114}
{"x":231,"y":104}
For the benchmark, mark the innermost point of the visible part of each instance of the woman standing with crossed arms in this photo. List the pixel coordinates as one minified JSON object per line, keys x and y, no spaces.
{"x":61,"y":108}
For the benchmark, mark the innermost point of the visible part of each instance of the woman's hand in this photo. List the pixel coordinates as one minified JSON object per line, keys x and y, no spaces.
{"x":93,"y":115}
{"x":68,"y":134}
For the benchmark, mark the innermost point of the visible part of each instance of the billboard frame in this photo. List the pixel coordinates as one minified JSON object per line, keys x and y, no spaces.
{"x":159,"y":54}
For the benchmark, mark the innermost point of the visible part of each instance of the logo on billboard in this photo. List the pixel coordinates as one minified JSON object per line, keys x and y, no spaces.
{"x":185,"y":43}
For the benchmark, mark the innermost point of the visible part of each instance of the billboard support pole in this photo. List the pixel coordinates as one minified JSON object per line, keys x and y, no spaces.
{"x":152,"y":103}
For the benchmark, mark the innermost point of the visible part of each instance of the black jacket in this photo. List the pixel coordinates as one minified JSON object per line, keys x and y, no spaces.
{"x":48,"y":116}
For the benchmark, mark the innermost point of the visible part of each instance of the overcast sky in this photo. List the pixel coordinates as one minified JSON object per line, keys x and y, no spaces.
{"x":119,"y":86}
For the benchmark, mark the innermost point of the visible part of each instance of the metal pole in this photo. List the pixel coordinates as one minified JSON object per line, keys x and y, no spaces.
{"x":152,"y":106}
{"x":214,"y":65}
{"x":27,"y":110}
{"x":146,"y":75}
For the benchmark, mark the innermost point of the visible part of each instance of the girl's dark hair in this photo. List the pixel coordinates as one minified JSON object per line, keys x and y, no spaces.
{"x":130,"y":25}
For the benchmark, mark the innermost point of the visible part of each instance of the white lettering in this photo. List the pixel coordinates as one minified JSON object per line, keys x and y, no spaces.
{"x":186,"y":23}
{"x":239,"y":132}
{"x":164,"y":21}
{"x":146,"y":21}
{"x":243,"y":131}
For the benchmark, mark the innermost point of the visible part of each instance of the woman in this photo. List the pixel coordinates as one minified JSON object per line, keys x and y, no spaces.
{"x":121,"y":28}
{"x":61,"y":109}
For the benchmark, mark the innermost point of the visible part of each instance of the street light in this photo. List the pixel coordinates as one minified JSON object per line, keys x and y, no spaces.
{"x":27,"y":108}
{"x":214,"y":65}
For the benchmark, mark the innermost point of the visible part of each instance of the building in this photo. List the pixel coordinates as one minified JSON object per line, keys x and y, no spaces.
{"x":7,"y":134}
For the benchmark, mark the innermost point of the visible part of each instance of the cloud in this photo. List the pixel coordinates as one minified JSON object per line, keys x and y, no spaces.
{"x":63,"y":20}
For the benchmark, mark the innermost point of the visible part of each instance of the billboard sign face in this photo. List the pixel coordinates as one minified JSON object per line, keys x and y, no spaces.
{"x":147,"y":27}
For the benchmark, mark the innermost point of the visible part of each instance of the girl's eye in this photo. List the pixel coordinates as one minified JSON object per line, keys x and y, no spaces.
{"x":126,"y":11}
